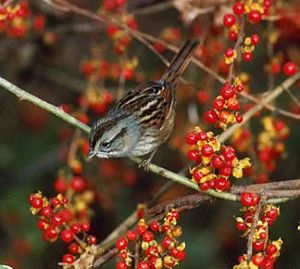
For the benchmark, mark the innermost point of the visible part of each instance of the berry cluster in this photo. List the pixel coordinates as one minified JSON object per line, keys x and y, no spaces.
{"x":56,"y":218}
{"x":15,"y":19}
{"x":215,"y":162}
{"x":270,"y":142}
{"x":154,"y":254}
{"x":242,"y":139}
{"x":100,"y":69}
{"x":121,"y":39}
{"x":266,"y":251}
{"x":226,"y":106}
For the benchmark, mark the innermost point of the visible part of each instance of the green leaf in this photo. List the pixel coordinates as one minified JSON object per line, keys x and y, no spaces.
{"x":5,"y":267}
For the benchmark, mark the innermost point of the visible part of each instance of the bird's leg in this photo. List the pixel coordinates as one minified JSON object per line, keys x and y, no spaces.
{"x":146,"y":161}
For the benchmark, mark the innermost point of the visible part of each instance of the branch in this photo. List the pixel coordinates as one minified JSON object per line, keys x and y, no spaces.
{"x":23,"y":95}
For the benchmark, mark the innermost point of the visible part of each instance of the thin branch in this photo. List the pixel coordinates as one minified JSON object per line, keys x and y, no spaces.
{"x":253,"y":227}
{"x":23,"y":95}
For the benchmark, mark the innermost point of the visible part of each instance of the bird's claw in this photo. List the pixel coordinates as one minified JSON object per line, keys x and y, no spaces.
{"x":145,"y":164}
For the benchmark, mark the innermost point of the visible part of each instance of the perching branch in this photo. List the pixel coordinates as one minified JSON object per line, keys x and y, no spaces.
{"x":23,"y":95}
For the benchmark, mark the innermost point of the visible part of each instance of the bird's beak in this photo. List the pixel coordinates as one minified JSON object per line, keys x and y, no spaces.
{"x":90,"y":155}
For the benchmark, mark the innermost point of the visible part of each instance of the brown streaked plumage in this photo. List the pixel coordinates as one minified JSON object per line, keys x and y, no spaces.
{"x":144,"y":118}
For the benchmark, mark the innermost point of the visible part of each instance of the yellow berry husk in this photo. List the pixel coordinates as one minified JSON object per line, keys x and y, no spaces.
{"x":177,"y":232}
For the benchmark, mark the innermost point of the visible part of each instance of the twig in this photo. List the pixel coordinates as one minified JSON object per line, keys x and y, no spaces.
{"x":253,"y":227}
{"x":236,"y":48}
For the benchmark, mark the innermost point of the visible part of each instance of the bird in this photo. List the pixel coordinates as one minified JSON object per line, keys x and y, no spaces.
{"x":143,"y":119}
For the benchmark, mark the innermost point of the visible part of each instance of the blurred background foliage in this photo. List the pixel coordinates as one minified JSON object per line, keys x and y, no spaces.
{"x":32,"y":147}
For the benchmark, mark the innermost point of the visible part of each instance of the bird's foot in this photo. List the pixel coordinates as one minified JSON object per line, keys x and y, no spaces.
{"x":145,"y":163}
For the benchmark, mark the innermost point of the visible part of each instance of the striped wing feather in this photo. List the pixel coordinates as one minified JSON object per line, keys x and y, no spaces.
{"x":150,"y":101}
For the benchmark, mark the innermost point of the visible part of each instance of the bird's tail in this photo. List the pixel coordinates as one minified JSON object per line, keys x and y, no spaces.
{"x":180,"y":61}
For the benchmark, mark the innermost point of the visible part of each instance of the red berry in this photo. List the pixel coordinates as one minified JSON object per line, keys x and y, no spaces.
{"x":254,"y":16}
{"x":217,"y":161}
{"x":272,"y":213}
{"x":271,"y":249}
{"x":258,"y":245}
{"x":75,"y":228}
{"x":181,"y":255}
{"x":166,"y":242}
{"x":228,"y":154}
{"x":78,"y":184}
{"x":255,"y":39}
{"x":60,"y":185}
{"x":154,"y":226}
{"x":121,"y":265}
{"x":204,"y":186}
{"x":263,"y":235}
{"x":87,"y":69}
{"x":247,"y":199}
{"x":193,"y":155}
{"x":42,"y":224}
{"x":66,"y":236}
{"x":207,"y":150}
{"x":121,"y":243}
{"x":148,"y":236}
{"x":232,"y":35}
{"x":203,"y":97}
{"x":239,"y":88}
{"x":57,"y":219}
{"x":159,"y":47}
{"x":233,"y":104}
{"x":131,"y":235}
{"x":37,"y":202}
{"x":197,"y":175}
{"x":222,"y":184}
{"x":219,"y":104}
{"x":109,"y":5}
{"x":229,"y":20}
{"x":120,"y":2}
{"x":202,"y":136}
{"x":289,"y":68}
{"x":229,"y":52}
{"x":239,"y":118}
{"x":46,"y":211}
{"x":227,"y":92}
{"x":112,"y":29}
{"x":241,"y":226}
{"x":210,"y":116}
{"x":225,"y":171}
{"x":143,"y":265}
{"x":73,"y":248}
{"x":141,"y":229}
{"x":51,"y":232}
{"x":191,"y":138}
{"x":247,"y":56}
{"x":128,"y":73}
{"x":85,"y":226}
{"x":238,"y":8}
{"x":92,"y":239}
{"x":249,"y":216}
{"x":257,"y":259}
{"x":275,"y":68}
{"x":68,"y":258}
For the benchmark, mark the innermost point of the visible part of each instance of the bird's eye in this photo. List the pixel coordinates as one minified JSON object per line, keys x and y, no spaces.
{"x":105,"y":144}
